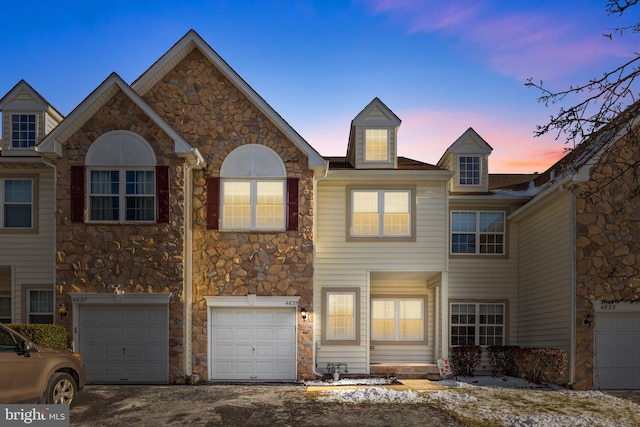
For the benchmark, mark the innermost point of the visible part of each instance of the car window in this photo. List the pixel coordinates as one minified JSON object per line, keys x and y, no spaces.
{"x":7,"y":341}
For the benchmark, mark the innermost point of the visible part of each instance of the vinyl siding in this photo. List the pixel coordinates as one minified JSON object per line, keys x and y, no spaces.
{"x":342,"y":263}
{"x":31,"y":254}
{"x":545,"y":274}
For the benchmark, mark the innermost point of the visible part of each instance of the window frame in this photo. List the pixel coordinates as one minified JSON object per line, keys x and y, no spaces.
{"x":253,"y":203}
{"x":467,"y":173}
{"x":26,"y":302}
{"x":122,"y":194}
{"x":477,"y":324}
{"x":326,"y":339}
{"x":381,"y":190}
{"x":34,"y":203}
{"x":15,"y":144}
{"x":375,"y":138}
{"x":3,"y":319}
{"x":478,"y":234}
{"x":397,"y":319}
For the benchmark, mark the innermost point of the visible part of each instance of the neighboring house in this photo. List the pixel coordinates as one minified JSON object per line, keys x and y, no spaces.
{"x":27,"y":214}
{"x":190,"y":233}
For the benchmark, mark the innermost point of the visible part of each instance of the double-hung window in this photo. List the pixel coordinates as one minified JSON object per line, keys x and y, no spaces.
{"x":39,"y":306}
{"x":341,"y":322}
{"x":469,"y":170}
{"x":5,"y":309}
{"x":23,"y":131}
{"x":481,"y":232}
{"x":376,"y":145}
{"x":17,"y":196}
{"x":397,"y":319}
{"x":122,"y":195}
{"x":477,"y":324}
{"x":381,"y":213}
{"x":253,"y":204}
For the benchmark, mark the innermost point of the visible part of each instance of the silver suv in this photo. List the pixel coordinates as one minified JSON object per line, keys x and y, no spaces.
{"x":30,"y":373}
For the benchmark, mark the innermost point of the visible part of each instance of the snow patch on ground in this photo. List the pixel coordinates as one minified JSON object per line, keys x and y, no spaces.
{"x":510,"y":401}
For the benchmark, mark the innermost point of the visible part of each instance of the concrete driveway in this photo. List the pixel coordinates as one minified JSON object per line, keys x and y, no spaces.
{"x":237,"y":405}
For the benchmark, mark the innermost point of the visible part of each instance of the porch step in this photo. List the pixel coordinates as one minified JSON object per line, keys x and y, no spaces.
{"x":406,"y":370}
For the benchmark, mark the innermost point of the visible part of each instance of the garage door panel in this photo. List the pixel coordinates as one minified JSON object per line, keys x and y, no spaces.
{"x":260,"y":338}
{"x":125,"y":343}
{"x":617,"y":350}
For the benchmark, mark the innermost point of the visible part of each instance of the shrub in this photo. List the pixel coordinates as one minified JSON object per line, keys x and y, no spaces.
{"x":51,"y":336}
{"x":502,"y":362}
{"x":541,"y":364}
{"x":464,"y":359}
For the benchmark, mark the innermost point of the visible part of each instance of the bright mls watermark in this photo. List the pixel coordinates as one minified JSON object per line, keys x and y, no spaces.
{"x":34,"y":415}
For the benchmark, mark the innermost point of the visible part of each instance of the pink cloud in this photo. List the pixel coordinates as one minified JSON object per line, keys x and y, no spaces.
{"x":538,"y":44}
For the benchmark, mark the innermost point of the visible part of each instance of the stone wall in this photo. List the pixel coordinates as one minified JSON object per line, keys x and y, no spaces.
{"x":607,"y":242}
{"x":141,"y":258}
{"x":214,"y":116}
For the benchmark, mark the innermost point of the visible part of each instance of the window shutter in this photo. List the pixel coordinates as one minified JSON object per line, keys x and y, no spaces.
{"x":213,"y":203}
{"x":162,"y":194}
{"x":292,"y":203}
{"x":77,"y":193}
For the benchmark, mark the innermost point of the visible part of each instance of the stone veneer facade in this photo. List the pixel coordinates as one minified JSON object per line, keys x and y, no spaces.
{"x":141,"y":258}
{"x":607,"y":243}
{"x":215,"y":117}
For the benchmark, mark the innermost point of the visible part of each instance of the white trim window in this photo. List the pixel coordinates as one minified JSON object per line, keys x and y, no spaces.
{"x":17,"y":203}
{"x":376,"y":145}
{"x":23,"y":131}
{"x":469,"y":172}
{"x":340,"y":315}
{"x":123,"y":195}
{"x":397,"y":319}
{"x":481,"y":232}
{"x":381,"y":213}
{"x":253,"y":204}
{"x":5,"y":309}
{"x":477,"y":324}
{"x":39,"y":306}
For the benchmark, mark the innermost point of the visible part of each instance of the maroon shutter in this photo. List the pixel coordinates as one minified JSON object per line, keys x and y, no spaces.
{"x":213,"y":203}
{"x":162,"y":194}
{"x":292,"y":203}
{"x":77,"y":193}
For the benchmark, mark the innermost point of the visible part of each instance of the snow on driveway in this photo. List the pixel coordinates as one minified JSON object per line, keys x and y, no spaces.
{"x":512,"y":402}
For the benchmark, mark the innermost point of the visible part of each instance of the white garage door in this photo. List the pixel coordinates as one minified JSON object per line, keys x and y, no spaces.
{"x":125,"y":343}
{"x":253,"y":344}
{"x":617,"y":346}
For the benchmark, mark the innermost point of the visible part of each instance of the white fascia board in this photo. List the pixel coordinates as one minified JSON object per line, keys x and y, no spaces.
{"x":53,"y":142}
{"x":193,"y":40}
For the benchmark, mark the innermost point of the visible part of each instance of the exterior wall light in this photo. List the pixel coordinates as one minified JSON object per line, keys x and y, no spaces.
{"x":62,"y":310}
{"x":303,"y":314}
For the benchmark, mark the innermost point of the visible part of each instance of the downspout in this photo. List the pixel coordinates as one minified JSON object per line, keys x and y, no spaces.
{"x":316,"y":344}
{"x":54,"y":228}
{"x":572,"y":278}
{"x":188,"y":260}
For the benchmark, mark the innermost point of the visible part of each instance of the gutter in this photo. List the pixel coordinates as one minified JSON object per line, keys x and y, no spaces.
{"x":54,"y":232}
{"x":559,"y":185}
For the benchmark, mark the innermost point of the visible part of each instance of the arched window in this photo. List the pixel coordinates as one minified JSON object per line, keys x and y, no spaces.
{"x":124,"y":183}
{"x":253,"y":192}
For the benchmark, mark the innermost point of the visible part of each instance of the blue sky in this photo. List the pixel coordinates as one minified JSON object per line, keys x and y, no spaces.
{"x":441,"y":66}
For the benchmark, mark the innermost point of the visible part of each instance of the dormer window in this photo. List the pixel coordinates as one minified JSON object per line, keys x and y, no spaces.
{"x":469,"y":170}
{"x":23,"y":131}
{"x":376,"y":145}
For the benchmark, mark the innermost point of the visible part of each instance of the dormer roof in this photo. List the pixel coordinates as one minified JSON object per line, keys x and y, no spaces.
{"x":470,"y":142}
{"x":23,"y":97}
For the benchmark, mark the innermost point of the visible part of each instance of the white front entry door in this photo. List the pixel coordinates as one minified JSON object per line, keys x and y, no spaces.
{"x":252,"y":343}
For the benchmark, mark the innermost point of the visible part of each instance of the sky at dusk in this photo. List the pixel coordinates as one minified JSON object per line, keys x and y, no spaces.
{"x":441,"y":66}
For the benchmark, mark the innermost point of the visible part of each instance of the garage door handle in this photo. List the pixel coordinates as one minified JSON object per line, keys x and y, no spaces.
{"x":124,"y":351}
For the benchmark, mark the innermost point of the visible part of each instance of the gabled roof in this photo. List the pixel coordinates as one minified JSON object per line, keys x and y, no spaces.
{"x":52,"y":143}
{"x":404,"y":163}
{"x":392,"y":119}
{"x":482,"y":147}
{"x":23,"y":86}
{"x":182,"y":48}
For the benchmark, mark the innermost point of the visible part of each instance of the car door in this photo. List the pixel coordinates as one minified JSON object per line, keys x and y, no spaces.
{"x":19,"y":373}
